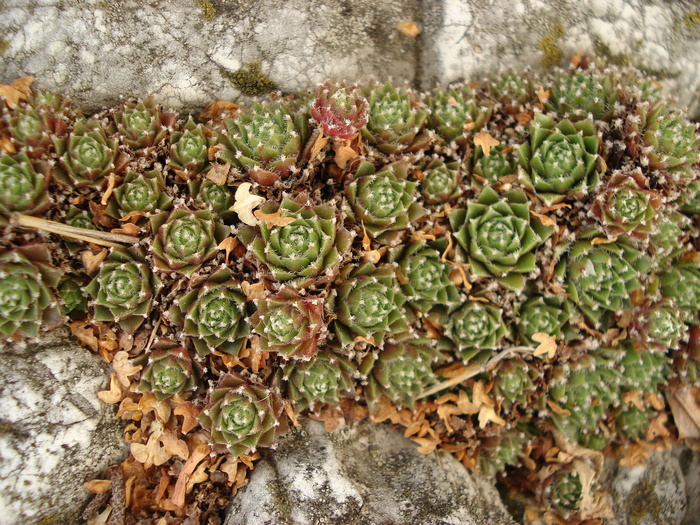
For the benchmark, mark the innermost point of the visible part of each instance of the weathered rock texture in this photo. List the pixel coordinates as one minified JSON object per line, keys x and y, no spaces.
{"x":650,"y":494}
{"x":184,"y":51}
{"x":55,"y":433}
{"x":363,"y":474}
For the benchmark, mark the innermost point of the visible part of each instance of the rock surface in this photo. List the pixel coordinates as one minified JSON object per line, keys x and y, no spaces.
{"x":185,"y":51}
{"x":650,"y":494}
{"x":55,"y":433}
{"x":363,"y":474}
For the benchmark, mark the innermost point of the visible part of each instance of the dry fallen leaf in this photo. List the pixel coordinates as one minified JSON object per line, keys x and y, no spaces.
{"x":201,"y":452}
{"x":543,"y":95}
{"x":153,"y":452}
{"x":253,"y":291}
{"x":218,"y":110}
{"x":84,"y":333}
{"x":124,"y":368}
{"x":343,"y":155}
{"x":97,"y":486}
{"x":219,"y":174}
{"x":486,"y":141}
{"x":487,"y":414}
{"x":603,"y":240}
{"x":427,"y":444}
{"x":228,"y":244}
{"x":92,"y":261}
{"x":190,"y":413}
{"x":319,"y":143}
{"x":112,"y":181}
{"x":683,"y":401}
{"x":18,"y":90}
{"x":548,"y":345}
{"x":128,"y":228}
{"x":546,"y":221}
{"x":7,"y":146}
{"x":114,"y":394}
{"x":244,"y":202}
{"x":273,"y":219}
{"x":408,"y":28}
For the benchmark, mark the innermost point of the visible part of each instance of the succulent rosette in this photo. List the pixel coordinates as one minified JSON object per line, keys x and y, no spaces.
{"x":584,"y":94}
{"x":512,"y":89}
{"x":79,"y":218}
{"x":455,"y":113}
{"x":290,"y":324}
{"x":211,"y":196}
{"x":499,"y":236}
{"x":671,"y":141}
{"x":564,"y":491}
{"x":72,"y":300}
{"x":124,"y":289}
{"x":242,"y":415}
{"x":367,"y":303}
{"x":560,"y":160}
{"x":475,"y":327}
{"x":382,"y":202}
{"x":502,"y":450}
{"x":142,"y":124}
{"x":22,"y":188}
{"x":185,"y":240}
{"x":542,"y":315}
{"x":26,"y":301}
{"x":88,"y":155}
{"x":658,"y":324}
{"x":689,"y":201}
{"x":488,"y":169}
{"x":31,"y":131}
{"x":625,"y":207}
{"x":215,"y":313}
{"x":189,"y":149}
{"x":587,"y":387}
{"x":265,"y":142}
{"x":143,"y":192}
{"x":399,"y":372}
{"x":440,"y":182}
{"x":682,"y":284}
{"x":309,"y":247}
{"x":396,"y":120}
{"x":600,"y":277}
{"x":512,"y":383}
{"x":170,"y":373}
{"x":340,"y":110}
{"x":325,"y":378}
{"x":424,"y":276}
{"x":670,"y":238}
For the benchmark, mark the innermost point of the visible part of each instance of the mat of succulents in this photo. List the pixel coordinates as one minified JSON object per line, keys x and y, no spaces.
{"x":507,"y":269}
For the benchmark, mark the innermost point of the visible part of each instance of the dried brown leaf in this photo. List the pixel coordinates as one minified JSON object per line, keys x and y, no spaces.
{"x":409,"y":28}
{"x":149,"y":403}
{"x":114,"y":394}
{"x":244,"y":203}
{"x":18,"y":90}
{"x":111,"y":182}
{"x":543,"y":95}
{"x":92,"y":261}
{"x":319,"y":143}
{"x":228,"y":244}
{"x":133,"y":216}
{"x":343,"y":155}
{"x":7,"y":146}
{"x":153,"y":452}
{"x":124,"y":368}
{"x":603,"y":240}
{"x":190,"y":413}
{"x":273,"y":219}
{"x":486,"y":142}
{"x":84,"y":333}
{"x":201,"y":452}
{"x":427,"y":444}
{"x":127,"y":228}
{"x":291,"y":414}
{"x":557,"y":409}
{"x":547,"y":346}
{"x":683,"y":401}
{"x":546,"y":221}
{"x":488,"y":414}
{"x":97,"y":486}
{"x":173,"y":445}
{"x":219,"y":174}
{"x":253,"y":292}
{"x":218,"y":110}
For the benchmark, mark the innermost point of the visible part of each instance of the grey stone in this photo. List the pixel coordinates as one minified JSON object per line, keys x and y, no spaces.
{"x":650,"y":494}
{"x":689,"y":461}
{"x":365,"y":474}
{"x":55,"y":433}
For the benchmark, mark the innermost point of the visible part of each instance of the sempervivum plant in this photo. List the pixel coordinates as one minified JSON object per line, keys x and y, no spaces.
{"x":340,"y":110}
{"x":189,"y":149}
{"x":658,"y":324}
{"x":681,"y":283}
{"x":368,"y":304}
{"x":141,"y":192}
{"x":72,"y":300}
{"x":211,"y":196}
{"x":625,"y":206}
{"x":26,"y":302}
{"x":142,"y":125}
{"x":671,"y":142}
{"x":124,"y":289}
{"x":214,"y":313}
{"x":456,"y":113}
{"x":169,"y":373}
{"x":22,"y":188}
{"x":564,"y":490}
{"x":512,"y":383}
{"x":499,"y":236}
{"x":440,"y":182}
{"x":424,"y":276}
{"x":600,"y":277}
{"x":542,"y":315}
{"x":325,"y":378}
{"x":88,"y":154}
{"x":308,"y":245}
{"x":584,"y":94}
{"x":396,"y":120}
{"x":383,"y":202}
{"x":185,"y":239}
{"x":242,"y":415}
{"x":502,"y":450}
{"x":399,"y":372}
{"x":475,"y":327}
{"x":488,"y":169}
{"x":32,"y":130}
{"x":290,"y":324}
{"x":265,"y":142}
{"x":561,"y":159}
